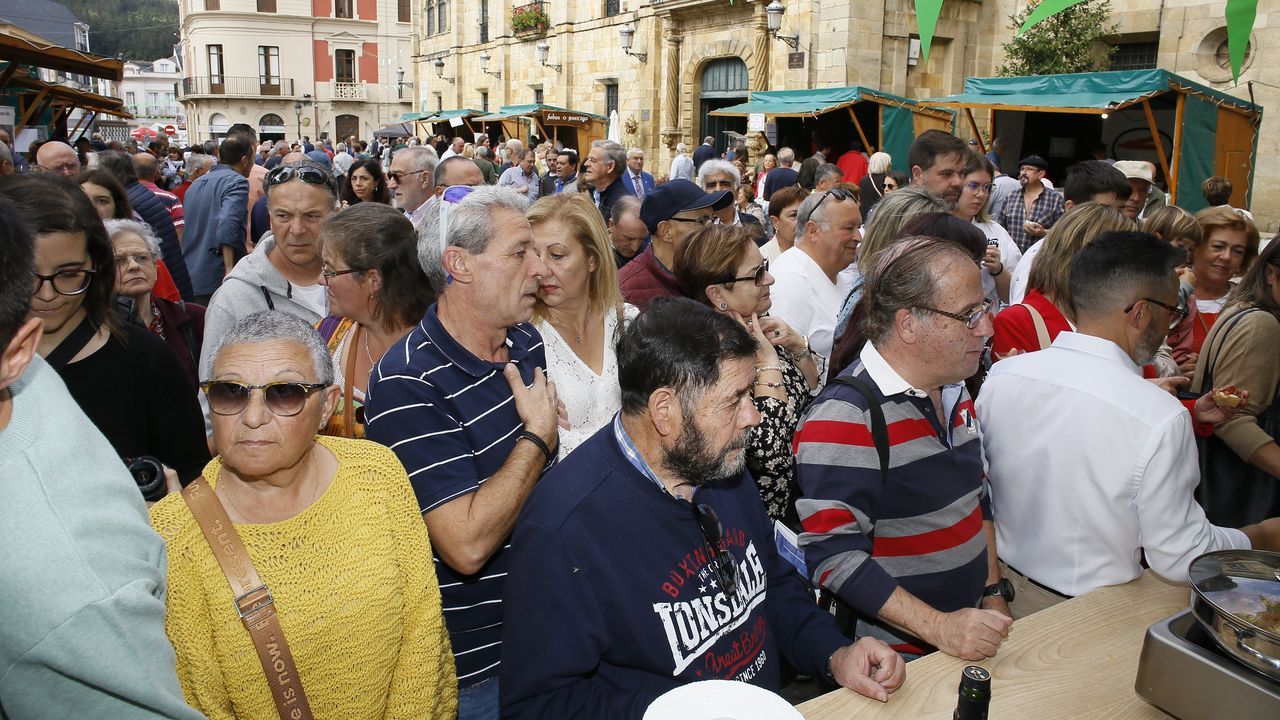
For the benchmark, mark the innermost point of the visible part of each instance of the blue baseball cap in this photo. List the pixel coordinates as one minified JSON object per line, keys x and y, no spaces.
{"x":676,"y":196}
{"x":321,"y":157}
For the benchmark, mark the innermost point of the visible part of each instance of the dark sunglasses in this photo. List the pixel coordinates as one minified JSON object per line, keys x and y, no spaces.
{"x":757,"y":277}
{"x":309,"y":175}
{"x":839,"y":193}
{"x":1174,"y":309}
{"x":722,"y":564}
{"x":284,"y":399}
{"x":65,"y":282}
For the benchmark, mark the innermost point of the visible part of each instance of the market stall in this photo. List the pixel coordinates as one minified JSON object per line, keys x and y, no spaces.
{"x":1187,"y":130}
{"x":41,"y":103}
{"x":570,"y":128}
{"x":878,"y":120}
{"x":449,"y":123}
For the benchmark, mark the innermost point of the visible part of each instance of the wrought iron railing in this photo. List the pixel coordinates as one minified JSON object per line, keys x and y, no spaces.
{"x":229,"y":85}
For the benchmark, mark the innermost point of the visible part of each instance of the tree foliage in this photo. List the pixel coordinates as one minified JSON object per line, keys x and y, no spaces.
{"x":1070,"y":41}
{"x":134,"y":29}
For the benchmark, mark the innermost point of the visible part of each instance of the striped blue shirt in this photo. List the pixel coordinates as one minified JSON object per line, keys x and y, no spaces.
{"x":451,"y":419}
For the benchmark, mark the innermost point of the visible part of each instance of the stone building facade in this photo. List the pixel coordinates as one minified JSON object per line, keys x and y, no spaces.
{"x":704,"y":54}
{"x":294,"y":67}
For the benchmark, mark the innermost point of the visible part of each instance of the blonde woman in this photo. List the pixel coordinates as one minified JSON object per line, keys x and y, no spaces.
{"x":579,"y":311}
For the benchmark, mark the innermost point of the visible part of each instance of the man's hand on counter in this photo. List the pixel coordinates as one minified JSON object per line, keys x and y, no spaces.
{"x":997,"y":603}
{"x":869,"y":667}
{"x":970,"y":633}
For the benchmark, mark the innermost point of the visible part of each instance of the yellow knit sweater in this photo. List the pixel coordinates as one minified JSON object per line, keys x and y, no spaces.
{"x":355,"y":589}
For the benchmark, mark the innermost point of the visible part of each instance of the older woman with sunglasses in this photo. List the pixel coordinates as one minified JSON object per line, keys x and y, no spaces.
{"x":332,"y":529}
{"x":127,"y":381}
{"x":377,"y":293}
{"x":721,"y":266}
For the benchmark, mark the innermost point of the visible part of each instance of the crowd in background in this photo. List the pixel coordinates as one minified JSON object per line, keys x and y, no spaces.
{"x":513,"y":429}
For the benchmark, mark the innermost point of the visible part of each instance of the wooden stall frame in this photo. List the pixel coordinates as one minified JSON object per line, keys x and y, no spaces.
{"x":1171,"y":180}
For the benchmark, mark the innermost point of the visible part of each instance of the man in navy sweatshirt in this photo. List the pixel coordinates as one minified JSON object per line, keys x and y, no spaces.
{"x":645,"y":560}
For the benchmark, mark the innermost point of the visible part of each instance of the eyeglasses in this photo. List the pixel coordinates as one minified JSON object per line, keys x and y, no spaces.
{"x":970,"y":321}
{"x":65,"y":282}
{"x":139,"y":258}
{"x":397,"y":175}
{"x":722,"y":564}
{"x":326,"y":274}
{"x":890,"y":185}
{"x":839,"y":193}
{"x":705,"y":220}
{"x":1174,"y":309}
{"x":757,"y":277}
{"x":974,"y":186}
{"x":65,"y":168}
{"x":284,"y":399}
{"x":309,"y":175}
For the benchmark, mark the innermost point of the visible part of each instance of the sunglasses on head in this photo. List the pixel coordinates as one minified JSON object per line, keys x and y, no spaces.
{"x":722,"y":565}
{"x":284,"y":399}
{"x":309,"y":175}
{"x":839,"y":193}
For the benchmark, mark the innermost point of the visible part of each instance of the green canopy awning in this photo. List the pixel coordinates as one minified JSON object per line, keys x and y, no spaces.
{"x":804,"y":103}
{"x":1095,"y":93}
{"x":446,"y":115}
{"x":510,"y":111}
{"x":410,"y":117}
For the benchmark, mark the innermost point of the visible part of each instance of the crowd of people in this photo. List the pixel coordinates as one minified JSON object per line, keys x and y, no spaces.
{"x":473,"y":430}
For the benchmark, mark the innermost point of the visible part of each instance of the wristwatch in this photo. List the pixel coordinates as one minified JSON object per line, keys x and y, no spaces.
{"x":1003,"y":589}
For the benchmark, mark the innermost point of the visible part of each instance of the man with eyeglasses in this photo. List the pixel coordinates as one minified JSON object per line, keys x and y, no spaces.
{"x":1093,"y":469}
{"x":672,"y":212}
{"x":1030,"y":214}
{"x":809,"y":285}
{"x":411,"y":181}
{"x":59,"y":158}
{"x":720,"y":176}
{"x":217,"y":213}
{"x":645,"y":560}
{"x":893,"y":502}
{"x":283,"y":271}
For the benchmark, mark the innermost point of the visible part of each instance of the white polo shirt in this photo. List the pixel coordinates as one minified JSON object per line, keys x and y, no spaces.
{"x":1090,"y":466}
{"x":806,"y":299}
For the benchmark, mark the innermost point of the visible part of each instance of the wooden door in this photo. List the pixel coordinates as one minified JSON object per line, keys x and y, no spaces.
{"x":1233,"y":153}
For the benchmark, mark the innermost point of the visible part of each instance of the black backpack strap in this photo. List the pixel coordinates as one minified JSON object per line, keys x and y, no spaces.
{"x":879,"y":428}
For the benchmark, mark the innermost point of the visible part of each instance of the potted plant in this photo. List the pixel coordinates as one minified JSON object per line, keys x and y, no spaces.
{"x":529,"y":18}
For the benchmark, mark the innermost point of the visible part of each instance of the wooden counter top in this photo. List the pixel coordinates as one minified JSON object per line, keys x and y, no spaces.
{"x":1078,"y":659}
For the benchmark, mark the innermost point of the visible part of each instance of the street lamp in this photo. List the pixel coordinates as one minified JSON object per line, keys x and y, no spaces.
{"x":543,"y":48}
{"x":297,"y":110}
{"x":627,"y":35}
{"x":485,"y":57}
{"x":400,"y":83}
{"x":439,"y":63}
{"x":774,"y":13}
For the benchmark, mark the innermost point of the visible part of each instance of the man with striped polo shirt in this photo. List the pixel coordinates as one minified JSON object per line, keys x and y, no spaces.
{"x":464,"y":402}
{"x":894,"y":507}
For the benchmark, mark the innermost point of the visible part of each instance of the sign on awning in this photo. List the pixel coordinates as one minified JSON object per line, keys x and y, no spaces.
{"x":562,"y":118}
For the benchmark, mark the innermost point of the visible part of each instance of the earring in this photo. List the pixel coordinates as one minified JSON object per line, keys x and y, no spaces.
{"x":723,"y":306}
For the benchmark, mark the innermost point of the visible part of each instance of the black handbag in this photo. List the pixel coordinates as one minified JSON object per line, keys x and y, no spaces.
{"x":1232,"y":492}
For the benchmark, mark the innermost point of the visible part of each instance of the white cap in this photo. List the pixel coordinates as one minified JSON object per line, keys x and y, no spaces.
{"x":1135,"y":170}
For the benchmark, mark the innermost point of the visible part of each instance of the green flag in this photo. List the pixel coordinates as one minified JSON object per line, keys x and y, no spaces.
{"x":927,"y":12}
{"x":1046,"y":10}
{"x":1240,"y":17}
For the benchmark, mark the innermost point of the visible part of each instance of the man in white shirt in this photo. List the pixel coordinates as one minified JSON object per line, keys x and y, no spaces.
{"x":455,"y":148}
{"x":808,"y":288}
{"x":1091,"y":466}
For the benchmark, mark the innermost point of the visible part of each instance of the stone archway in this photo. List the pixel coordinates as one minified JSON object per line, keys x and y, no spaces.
{"x":754,"y":55}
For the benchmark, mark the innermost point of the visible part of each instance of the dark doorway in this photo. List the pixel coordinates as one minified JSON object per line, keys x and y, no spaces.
{"x":724,"y":83}
{"x":344,"y":126}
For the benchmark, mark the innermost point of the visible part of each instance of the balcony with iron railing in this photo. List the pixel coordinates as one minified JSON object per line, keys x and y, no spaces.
{"x":363,"y":92}
{"x":530,"y":19}
{"x":252,"y":86}
{"x":160,"y":111}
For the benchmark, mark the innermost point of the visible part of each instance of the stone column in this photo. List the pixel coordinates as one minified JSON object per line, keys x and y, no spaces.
{"x":671,"y":132}
{"x":758,"y":70}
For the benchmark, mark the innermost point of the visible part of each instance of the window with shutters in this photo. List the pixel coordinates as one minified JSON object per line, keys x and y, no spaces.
{"x":484,"y":21}
{"x":215,"y":65}
{"x":610,"y":99}
{"x":402,"y":11}
{"x":266,"y":6}
{"x":344,"y":66}
{"x":612,"y":7}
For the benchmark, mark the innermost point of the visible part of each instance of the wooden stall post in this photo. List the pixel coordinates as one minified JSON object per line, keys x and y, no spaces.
{"x":37,"y":104}
{"x":973,"y":124}
{"x":861,"y":135}
{"x":1155,"y":137}
{"x":1172,"y":180}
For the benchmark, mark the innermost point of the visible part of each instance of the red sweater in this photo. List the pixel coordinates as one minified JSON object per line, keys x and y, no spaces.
{"x":1016,"y":331}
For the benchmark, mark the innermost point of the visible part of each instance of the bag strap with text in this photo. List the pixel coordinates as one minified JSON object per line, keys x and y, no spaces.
{"x":253,"y":601}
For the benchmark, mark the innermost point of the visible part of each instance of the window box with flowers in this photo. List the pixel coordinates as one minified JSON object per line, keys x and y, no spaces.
{"x":530,"y":19}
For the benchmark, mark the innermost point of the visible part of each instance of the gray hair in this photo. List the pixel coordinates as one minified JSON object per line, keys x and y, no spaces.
{"x":273,"y":325}
{"x":635,"y":152}
{"x":827,"y":171}
{"x":718,"y":166}
{"x":786,"y":156}
{"x":916,"y":264}
{"x":814,"y":209}
{"x":422,"y":158}
{"x":880,"y":163}
{"x":199,"y":161}
{"x":469,"y":226}
{"x":681,"y":148}
{"x":142,"y":230}
{"x":614,"y":153}
{"x":622,"y":206}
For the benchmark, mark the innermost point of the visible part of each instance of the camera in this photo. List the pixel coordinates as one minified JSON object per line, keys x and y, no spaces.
{"x":148,"y":473}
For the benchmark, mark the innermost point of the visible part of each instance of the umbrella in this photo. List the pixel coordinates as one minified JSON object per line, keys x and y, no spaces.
{"x":615,"y":128}
{"x":398,"y":131}
{"x":144,"y":134}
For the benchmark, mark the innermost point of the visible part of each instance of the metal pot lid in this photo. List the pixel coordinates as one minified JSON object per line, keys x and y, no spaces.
{"x":1242,"y":584}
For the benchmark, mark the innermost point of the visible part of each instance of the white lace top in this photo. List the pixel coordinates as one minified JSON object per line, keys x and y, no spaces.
{"x":590,"y":399}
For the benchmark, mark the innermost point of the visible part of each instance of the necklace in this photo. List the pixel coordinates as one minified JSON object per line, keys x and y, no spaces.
{"x":367,"y":354}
